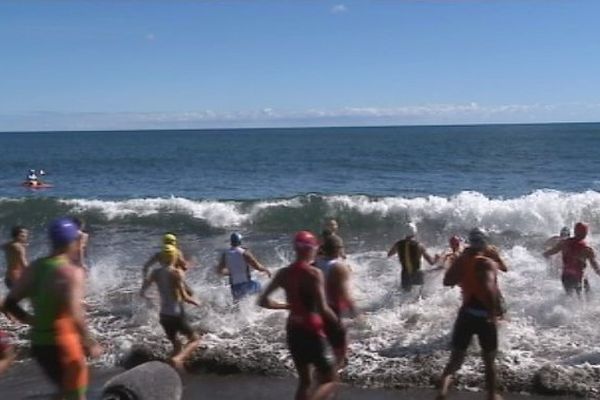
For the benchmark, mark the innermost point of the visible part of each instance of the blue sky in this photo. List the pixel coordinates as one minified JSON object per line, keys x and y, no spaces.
{"x":201,"y":64}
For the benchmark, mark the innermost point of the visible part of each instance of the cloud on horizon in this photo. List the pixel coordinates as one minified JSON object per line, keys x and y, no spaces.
{"x":462,"y":113}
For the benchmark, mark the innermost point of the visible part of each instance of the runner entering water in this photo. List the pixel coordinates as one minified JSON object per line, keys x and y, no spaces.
{"x":169,"y":240}
{"x":236,"y":262}
{"x":575,"y":256}
{"x":173,"y":294}
{"x":410,"y":251}
{"x":60,"y":338}
{"x":476,"y":274}
{"x":15,"y":252}
{"x":337,"y":290}
{"x":309,"y":312}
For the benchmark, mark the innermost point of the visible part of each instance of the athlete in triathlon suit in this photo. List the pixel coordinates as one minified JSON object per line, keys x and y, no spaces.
{"x":482,"y":307}
{"x":410,"y":252}
{"x":575,"y":256}
{"x":60,"y":338}
{"x":173,"y":294}
{"x":16,"y":255}
{"x":236,"y":263}
{"x":337,"y":290}
{"x":306,"y":301}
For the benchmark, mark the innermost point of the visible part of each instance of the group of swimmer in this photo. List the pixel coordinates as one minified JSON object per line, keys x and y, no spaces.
{"x":317,"y":297}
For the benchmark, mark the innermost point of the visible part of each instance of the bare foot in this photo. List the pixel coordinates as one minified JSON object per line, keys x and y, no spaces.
{"x":441,"y":397}
{"x":495,"y":396}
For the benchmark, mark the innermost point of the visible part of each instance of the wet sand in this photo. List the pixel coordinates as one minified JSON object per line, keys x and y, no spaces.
{"x":25,"y":381}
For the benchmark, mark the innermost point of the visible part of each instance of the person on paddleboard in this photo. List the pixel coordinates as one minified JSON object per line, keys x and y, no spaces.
{"x":410,"y":252}
{"x":308,"y":314}
{"x":576,"y":254}
{"x":237,"y":263}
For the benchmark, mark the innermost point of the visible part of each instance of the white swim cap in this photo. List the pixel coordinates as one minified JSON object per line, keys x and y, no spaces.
{"x":411,"y":229}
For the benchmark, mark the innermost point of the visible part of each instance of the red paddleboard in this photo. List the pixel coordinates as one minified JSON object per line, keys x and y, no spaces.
{"x":38,"y":186}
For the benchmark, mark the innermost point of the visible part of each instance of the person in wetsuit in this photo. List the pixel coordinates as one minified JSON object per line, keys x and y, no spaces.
{"x":410,"y":252}
{"x":308,"y":314}
{"x":337,"y":290}
{"x":60,"y":339}
{"x":576,"y":254}
{"x":481,"y":309}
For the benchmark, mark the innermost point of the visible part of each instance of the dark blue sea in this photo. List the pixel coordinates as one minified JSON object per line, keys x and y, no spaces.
{"x":521,"y":183}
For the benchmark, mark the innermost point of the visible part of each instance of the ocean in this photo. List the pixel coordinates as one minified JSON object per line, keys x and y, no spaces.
{"x":522,"y":183}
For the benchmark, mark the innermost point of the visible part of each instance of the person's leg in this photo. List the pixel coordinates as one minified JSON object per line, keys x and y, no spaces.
{"x":457,"y":357}
{"x":461,"y":338}
{"x":491,"y":381}
{"x":193,"y":340}
{"x":487,"y":333}
{"x":304,"y":381}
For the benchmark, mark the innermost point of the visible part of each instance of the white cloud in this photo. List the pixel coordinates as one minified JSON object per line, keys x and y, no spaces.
{"x":425,"y":114}
{"x":150,"y":37}
{"x":339,"y":9}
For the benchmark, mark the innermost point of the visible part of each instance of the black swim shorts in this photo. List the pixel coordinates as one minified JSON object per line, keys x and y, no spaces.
{"x":467,"y":325}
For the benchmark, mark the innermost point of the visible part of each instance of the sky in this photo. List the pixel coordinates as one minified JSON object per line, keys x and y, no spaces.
{"x":108,"y":64}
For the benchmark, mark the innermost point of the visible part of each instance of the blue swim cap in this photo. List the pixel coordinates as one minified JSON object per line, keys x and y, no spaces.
{"x":63,"y":231}
{"x":236,"y":239}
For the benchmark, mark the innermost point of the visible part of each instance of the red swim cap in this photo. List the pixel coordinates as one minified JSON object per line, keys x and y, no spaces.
{"x":454,"y":241}
{"x":581,"y":230}
{"x":305,"y":239}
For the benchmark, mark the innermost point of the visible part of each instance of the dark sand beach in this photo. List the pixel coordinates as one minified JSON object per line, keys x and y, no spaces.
{"x":25,"y":381}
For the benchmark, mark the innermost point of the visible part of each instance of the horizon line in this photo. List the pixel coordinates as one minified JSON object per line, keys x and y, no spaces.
{"x":271,"y":128}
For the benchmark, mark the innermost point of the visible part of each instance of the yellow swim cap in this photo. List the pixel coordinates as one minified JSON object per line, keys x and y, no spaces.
{"x":169,"y":253}
{"x":169,"y":238}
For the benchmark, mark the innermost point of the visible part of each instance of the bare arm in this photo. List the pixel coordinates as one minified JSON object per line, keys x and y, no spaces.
{"x":222,"y":267}
{"x":72,"y":284}
{"x":393,"y":251}
{"x":19,"y":292}
{"x":342,"y":273}
{"x":182,"y":288}
{"x":22,"y":255}
{"x":494,"y":254}
{"x":554,"y":250}
{"x":427,"y":257}
{"x":317,"y":287}
{"x":153,"y":260}
{"x":148,"y":280}
{"x":591,"y":256}
{"x":253,"y":262}
{"x":265,"y":300}
{"x":487,"y":278}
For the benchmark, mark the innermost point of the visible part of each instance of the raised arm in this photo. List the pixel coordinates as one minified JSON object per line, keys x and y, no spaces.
{"x":494,"y":254}
{"x":148,"y":280}
{"x":253,"y":262}
{"x":265,"y":300}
